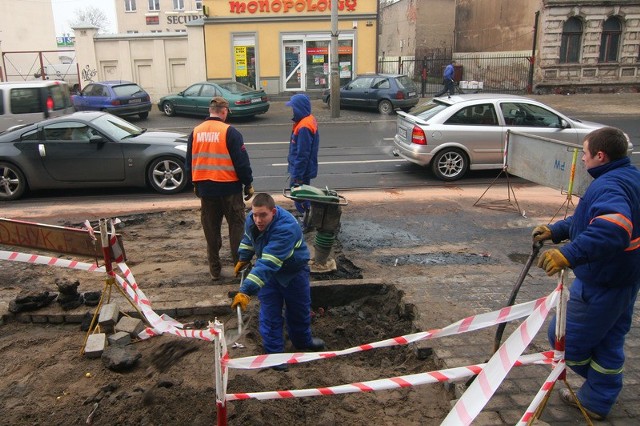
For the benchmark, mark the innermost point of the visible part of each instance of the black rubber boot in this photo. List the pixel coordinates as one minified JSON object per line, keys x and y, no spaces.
{"x":317,"y":344}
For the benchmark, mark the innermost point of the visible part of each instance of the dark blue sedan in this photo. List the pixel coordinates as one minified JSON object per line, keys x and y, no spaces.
{"x":117,"y":97}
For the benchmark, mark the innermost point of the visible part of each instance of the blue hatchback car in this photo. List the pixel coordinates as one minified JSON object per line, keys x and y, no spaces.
{"x":117,"y":97}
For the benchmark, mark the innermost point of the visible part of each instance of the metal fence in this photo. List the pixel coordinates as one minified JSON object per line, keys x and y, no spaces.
{"x":505,"y":73}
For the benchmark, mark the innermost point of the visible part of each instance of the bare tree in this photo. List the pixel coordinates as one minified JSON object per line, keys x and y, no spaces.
{"x":91,"y":15}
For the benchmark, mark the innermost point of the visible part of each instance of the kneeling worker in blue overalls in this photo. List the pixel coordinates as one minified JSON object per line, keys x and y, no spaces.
{"x":280,"y":276}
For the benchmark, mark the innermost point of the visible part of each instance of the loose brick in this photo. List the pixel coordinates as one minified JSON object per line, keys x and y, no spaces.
{"x":96,"y":343}
{"x":109,"y":314}
{"x":121,"y":338}
{"x":132,"y":326}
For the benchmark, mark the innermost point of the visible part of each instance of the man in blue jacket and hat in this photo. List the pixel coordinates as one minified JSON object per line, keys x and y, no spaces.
{"x":280,"y":276}
{"x":303,"y":146}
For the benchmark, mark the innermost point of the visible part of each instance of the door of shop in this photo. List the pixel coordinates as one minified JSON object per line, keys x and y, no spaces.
{"x":293,"y":66}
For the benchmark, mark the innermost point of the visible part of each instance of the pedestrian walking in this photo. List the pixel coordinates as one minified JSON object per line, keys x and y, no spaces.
{"x":280,"y":277}
{"x":447,"y":81}
{"x":604,"y":253}
{"x":220,"y":169}
{"x":303,"y":147}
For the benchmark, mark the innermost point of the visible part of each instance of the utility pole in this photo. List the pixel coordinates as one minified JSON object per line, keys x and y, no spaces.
{"x":334,"y":77}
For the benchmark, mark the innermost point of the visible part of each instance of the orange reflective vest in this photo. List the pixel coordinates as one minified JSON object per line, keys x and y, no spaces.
{"x":210,"y":159}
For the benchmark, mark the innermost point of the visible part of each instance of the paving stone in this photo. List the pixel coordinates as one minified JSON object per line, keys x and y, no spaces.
{"x":130,"y":325}
{"x":95,"y":346}
{"x":109,"y":315}
{"x":121,"y":338}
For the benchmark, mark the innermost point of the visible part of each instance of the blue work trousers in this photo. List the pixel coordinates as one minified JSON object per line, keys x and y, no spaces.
{"x":295,"y":298}
{"x":598,"y":319}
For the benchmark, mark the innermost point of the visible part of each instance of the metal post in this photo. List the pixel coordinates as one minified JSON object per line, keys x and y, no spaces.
{"x":532,"y":59}
{"x":334,"y":100}
{"x":561,"y":320}
{"x":219,"y":374}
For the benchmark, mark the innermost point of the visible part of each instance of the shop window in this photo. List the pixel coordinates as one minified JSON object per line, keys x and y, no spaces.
{"x":129,"y":5}
{"x":317,"y":59}
{"x":245,"y":57}
{"x":571,"y":41}
{"x":178,"y":4}
{"x":610,"y":40}
{"x":345,"y":60}
{"x":154,"y":5}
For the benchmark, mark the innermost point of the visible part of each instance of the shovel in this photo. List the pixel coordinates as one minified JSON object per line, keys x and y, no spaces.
{"x":231,"y":335}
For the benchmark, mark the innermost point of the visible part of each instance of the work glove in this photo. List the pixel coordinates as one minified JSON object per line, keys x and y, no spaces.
{"x":240,"y":266}
{"x":248,"y":192}
{"x":541,"y":233}
{"x":552,"y":261}
{"x":242,"y":300}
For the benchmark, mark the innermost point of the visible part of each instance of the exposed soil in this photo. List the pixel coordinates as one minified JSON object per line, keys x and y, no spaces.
{"x":50,"y":382}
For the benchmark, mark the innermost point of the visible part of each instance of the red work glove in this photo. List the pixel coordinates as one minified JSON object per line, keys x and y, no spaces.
{"x":553,"y":261}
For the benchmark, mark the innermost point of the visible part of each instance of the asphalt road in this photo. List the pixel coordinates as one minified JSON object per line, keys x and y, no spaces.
{"x":355,"y":152}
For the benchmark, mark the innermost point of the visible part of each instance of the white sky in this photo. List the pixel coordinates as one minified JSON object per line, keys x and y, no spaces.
{"x":64,"y":12}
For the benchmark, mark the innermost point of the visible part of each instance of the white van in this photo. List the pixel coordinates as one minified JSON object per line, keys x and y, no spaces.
{"x":27,"y":102}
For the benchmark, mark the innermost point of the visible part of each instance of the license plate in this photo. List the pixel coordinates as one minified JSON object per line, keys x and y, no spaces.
{"x":256,"y":100}
{"x":412,"y":94}
{"x":135,"y":101}
{"x":402,"y":132}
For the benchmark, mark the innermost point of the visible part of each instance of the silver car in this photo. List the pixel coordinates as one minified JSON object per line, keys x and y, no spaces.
{"x":90,"y":150}
{"x":453,"y":135}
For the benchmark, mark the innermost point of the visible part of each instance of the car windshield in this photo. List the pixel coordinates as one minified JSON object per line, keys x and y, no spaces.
{"x":427,"y":110}
{"x":127,"y":90}
{"x":406,"y":83}
{"x":235,"y":87}
{"x":116,"y":127}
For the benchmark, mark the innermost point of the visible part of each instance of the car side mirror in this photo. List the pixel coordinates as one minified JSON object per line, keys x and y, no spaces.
{"x":180,"y":93}
{"x":564,"y":124}
{"x":96,"y":139}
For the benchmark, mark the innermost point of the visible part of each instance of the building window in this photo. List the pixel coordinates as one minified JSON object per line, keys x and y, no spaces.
{"x":178,"y":4}
{"x":571,"y":41}
{"x":129,"y":5}
{"x":610,"y":40}
{"x":154,"y":5}
{"x":132,"y":31}
{"x":199,"y":4}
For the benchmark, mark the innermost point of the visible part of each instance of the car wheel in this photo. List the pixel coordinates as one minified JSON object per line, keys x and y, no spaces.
{"x":168,"y":109}
{"x":143,"y":115}
{"x":12,"y":182}
{"x":385,"y":107}
{"x":166,"y":175}
{"x":450,"y":164}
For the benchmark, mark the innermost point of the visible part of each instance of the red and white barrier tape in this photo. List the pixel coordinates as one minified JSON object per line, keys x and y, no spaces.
{"x":544,"y":390}
{"x":471,"y":323}
{"x":15,"y":256}
{"x":446,"y":375}
{"x":487,"y":382}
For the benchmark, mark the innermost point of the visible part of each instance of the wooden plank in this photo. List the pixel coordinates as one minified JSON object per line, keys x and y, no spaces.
{"x":52,"y":238}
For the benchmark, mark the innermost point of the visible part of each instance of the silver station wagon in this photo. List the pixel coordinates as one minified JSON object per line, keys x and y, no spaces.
{"x":453,"y":135}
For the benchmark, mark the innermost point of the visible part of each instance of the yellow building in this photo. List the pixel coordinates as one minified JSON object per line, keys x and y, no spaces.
{"x":283,"y":45}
